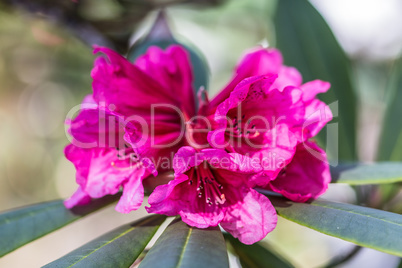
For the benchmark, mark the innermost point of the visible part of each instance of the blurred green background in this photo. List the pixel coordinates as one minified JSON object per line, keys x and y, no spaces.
{"x":45,"y":64}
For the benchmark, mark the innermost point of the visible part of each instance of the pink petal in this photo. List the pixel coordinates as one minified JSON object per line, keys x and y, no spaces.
{"x":131,"y":90}
{"x":160,"y":200}
{"x":97,"y":128}
{"x":173,"y":70}
{"x":133,"y":192}
{"x":184,"y":159}
{"x":99,"y":171}
{"x":175,"y":198}
{"x":317,"y":116}
{"x":251,"y":219}
{"x":312,"y":88}
{"x":239,"y":94}
{"x":287,"y":76}
{"x":180,"y":196}
{"x":77,"y":199}
{"x":307,"y":176}
{"x":255,"y":62}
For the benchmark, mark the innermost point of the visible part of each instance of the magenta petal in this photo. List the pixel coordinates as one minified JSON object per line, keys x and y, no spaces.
{"x":162,"y":200}
{"x":176,"y":198}
{"x":317,"y":116}
{"x":131,"y":89}
{"x":184,"y":159}
{"x":208,"y":188}
{"x":78,"y":198}
{"x":312,"y":88}
{"x":95,"y":170}
{"x":287,"y":76}
{"x":307,"y":176}
{"x":255,"y":62}
{"x":100,"y":172}
{"x":172,"y":69}
{"x":251,"y":219}
{"x":240,"y":93}
{"x":133,"y":192}
{"x":97,"y":127}
{"x":204,"y":219}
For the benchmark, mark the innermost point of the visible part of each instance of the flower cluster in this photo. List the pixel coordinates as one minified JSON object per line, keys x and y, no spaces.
{"x":141,"y":119}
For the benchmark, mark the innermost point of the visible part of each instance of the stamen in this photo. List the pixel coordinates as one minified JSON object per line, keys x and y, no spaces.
{"x":113,"y":164}
{"x":208,"y":186}
{"x":242,"y":130}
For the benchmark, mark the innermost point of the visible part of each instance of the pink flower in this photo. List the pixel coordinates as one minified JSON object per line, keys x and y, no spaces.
{"x":103,"y":161}
{"x":259,"y":125}
{"x":155,"y":94}
{"x":269,"y":62}
{"x":257,"y":118}
{"x":211,"y":187}
{"x":265,"y":111}
{"x":112,"y":143}
{"x":306,"y":177}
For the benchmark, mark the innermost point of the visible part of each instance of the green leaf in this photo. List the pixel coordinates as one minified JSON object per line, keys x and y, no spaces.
{"x":257,"y":255}
{"x":184,"y":246}
{"x":358,"y":173}
{"x":308,"y":44}
{"x":161,"y":36}
{"x":391,"y":137}
{"x":118,"y":248}
{"x":21,"y":226}
{"x":367,"y":227}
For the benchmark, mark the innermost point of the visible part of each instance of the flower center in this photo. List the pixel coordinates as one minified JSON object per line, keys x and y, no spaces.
{"x":207,"y":186}
{"x":126,"y":159}
{"x":242,"y":128}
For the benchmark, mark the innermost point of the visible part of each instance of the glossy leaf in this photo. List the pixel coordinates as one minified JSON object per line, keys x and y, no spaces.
{"x":118,"y":248}
{"x":161,"y":36}
{"x":308,"y":44}
{"x":358,"y":173}
{"x":23,"y":225}
{"x":368,"y":227}
{"x":184,"y":246}
{"x":390,"y":147}
{"x":257,"y":255}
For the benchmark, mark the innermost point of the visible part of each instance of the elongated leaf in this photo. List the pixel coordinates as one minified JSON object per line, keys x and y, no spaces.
{"x":257,"y":255}
{"x":161,"y":36}
{"x":184,"y":246}
{"x":373,"y":228}
{"x":308,"y":44}
{"x":23,"y":225}
{"x":118,"y":248}
{"x":391,"y":137}
{"x":357,"y":174}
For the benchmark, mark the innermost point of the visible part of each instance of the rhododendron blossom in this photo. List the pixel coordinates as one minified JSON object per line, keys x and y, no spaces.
{"x":211,"y":187}
{"x":255,"y":133}
{"x":122,"y":102}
